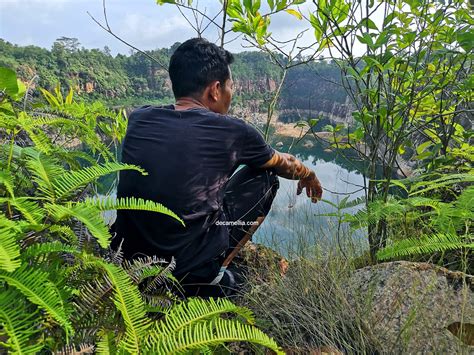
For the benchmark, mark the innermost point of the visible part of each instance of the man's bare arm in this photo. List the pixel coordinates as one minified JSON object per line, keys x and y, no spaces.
{"x":289,"y":167}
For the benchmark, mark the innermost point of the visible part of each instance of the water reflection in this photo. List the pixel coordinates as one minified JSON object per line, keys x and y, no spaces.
{"x":294,"y":226}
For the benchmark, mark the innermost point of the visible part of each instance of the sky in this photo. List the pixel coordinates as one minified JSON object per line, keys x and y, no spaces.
{"x":143,"y":23}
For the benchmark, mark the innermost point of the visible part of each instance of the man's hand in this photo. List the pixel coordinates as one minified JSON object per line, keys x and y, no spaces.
{"x":289,"y":167}
{"x":313,"y":187}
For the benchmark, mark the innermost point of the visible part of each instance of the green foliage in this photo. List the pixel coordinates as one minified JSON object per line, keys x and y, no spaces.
{"x":424,"y":245}
{"x":60,"y":288}
{"x":410,"y":87}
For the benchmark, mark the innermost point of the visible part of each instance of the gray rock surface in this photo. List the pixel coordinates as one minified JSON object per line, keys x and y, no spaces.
{"x":410,"y":306}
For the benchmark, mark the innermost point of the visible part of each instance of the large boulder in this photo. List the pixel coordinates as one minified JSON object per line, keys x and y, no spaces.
{"x":416,"y":307}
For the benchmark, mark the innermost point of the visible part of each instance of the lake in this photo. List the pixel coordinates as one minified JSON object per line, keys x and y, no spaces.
{"x":294,"y":226}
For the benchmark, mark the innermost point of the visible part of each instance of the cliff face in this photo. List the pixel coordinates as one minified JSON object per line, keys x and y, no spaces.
{"x":309,"y":90}
{"x":313,"y":91}
{"x":245,"y":86}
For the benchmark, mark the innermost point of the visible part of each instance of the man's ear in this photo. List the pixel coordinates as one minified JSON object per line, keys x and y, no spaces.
{"x":215,"y":90}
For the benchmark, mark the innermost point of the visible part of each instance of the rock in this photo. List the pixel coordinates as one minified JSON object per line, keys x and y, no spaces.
{"x":261,"y":263}
{"x":308,"y":144}
{"x":416,"y":307}
{"x":279,"y":144}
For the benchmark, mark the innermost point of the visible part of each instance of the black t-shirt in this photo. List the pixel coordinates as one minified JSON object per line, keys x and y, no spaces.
{"x":189,"y":157}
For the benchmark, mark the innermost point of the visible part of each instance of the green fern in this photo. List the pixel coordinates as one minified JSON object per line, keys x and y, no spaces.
{"x":9,"y":250}
{"x":442,"y":182}
{"x":40,"y":140}
{"x":128,"y":301}
{"x":424,"y":245}
{"x":131,"y":203}
{"x":19,"y":324}
{"x":211,"y":333}
{"x":64,"y":232}
{"x":89,"y":215}
{"x":47,"y":248}
{"x":44,"y":169}
{"x":195,"y":310}
{"x":6,"y":180}
{"x":70,"y":181}
{"x":106,"y":343}
{"x":36,"y":286}
{"x":30,"y":210}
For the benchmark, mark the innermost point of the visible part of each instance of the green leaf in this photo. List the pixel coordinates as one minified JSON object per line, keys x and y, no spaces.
{"x":215,"y":332}
{"x":6,"y":180}
{"x":424,"y":245}
{"x":36,"y":286}
{"x":368,"y":23}
{"x":8,"y":81}
{"x":89,"y":215}
{"x":466,"y":40}
{"x":19,"y":323}
{"x":366,"y":39}
{"x":53,"y":101}
{"x":44,"y":169}
{"x":423,"y":146}
{"x":9,"y":250}
{"x":281,"y":4}
{"x":69,"y":97}
{"x":128,"y":301}
{"x":130,"y":203}
{"x":389,"y":19}
{"x":69,"y":182}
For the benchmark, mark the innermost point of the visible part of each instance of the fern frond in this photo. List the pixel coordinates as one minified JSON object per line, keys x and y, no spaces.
{"x":141,"y":268}
{"x":424,"y":245}
{"x":64,"y":231}
{"x":36,"y":286}
{"x":208,"y":334}
{"x":70,"y":181}
{"x":6,"y":180}
{"x":92,"y":295}
{"x":89,"y":215}
{"x":160,"y":301}
{"x":160,"y":279}
{"x":131,"y":203}
{"x":48,"y":248}
{"x":424,"y":202}
{"x":44,"y":169}
{"x":127,"y":300}
{"x":73,"y":350}
{"x":41,"y":141}
{"x":19,"y":324}
{"x":9,"y":250}
{"x":32,"y":212}
{"x":196,"y":310}
{"x":465,"y":201}
{"x":106,"y":343}
{"x":441,"y":182}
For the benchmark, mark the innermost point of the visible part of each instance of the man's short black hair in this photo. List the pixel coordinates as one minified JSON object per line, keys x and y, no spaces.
{"x":195,"y":64}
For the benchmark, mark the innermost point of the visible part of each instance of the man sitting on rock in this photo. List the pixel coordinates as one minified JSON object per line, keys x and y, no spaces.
{"x":191,"y":150}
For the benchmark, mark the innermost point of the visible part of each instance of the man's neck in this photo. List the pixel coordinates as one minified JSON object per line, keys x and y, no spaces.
{"x":186,"y":103}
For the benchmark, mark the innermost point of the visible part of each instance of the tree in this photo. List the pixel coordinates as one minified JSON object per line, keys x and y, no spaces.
{"x":412,"y":81}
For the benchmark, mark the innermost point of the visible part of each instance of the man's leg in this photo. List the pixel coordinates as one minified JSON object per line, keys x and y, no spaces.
{"x":248,"y":198}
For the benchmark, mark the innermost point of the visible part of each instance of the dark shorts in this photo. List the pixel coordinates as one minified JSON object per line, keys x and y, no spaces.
{"x":248,"y":195}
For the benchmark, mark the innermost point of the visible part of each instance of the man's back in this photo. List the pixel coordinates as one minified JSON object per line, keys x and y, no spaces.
{"x":189,"y":156}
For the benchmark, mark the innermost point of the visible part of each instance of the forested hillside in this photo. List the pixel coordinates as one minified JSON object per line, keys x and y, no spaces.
{"x":135,"y":79}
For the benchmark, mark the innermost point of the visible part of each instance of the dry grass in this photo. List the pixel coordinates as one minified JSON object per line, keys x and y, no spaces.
{"x":308,"y":308}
